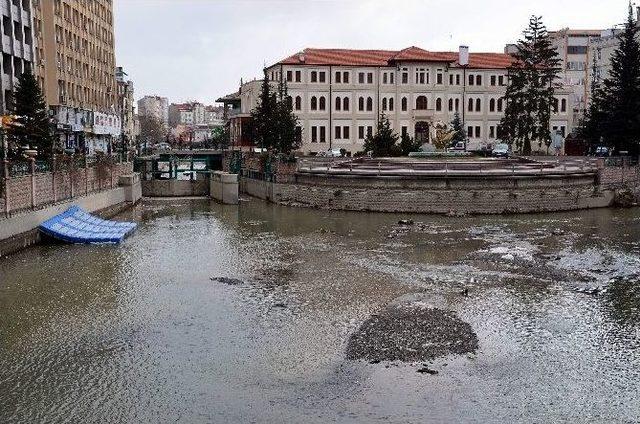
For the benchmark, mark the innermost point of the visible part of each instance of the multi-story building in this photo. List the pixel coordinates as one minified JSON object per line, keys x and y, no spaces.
{"x":126,"y":106}
{"x":155,"y":106}
{"x":213,"y":116}
{"x":75,"y":64}
{"x":194,"y":113}
{"x":573,"y":48}
{"x":339,"y":95}
{"x":602,"y":49}
{"x":18,"y":47}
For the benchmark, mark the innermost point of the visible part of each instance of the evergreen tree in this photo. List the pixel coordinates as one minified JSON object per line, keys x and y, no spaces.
{"x":591,"y":125}
{"x":531,"y":89}
{"x":408,"y":145}
{"x":383,"y":143}
{"x":286,"y":122}
{"x":31,"y":124}
{"x":263,"y":116}
{"x":621,"y":92}
{"x":458,"y":126}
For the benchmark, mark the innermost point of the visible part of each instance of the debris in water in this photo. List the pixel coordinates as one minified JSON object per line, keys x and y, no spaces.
{"x":228,"y":281}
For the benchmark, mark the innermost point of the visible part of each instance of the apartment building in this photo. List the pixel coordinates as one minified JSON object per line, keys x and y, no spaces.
{"x":573,"y":46}
{"x":18,"y":47}
{"x":155,"y":106}
{"x":126,"y":105}
{"x":75,"y":65}
{"x":339,"y":95}
{"x":602,"y":49}
{"x":194,"y":113}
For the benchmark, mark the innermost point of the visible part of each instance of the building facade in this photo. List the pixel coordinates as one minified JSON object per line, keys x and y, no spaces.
{"x":573,"y":48}
{"x":75,"y":65}
{"x":194,"y":113}
{"x":339,"y":95}
{"x":155,"y":106}
{"x":18,"y":47}
{"x":126,"y":105}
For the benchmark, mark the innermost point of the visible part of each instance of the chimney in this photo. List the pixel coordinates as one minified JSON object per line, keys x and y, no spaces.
{"x":463,"y":58}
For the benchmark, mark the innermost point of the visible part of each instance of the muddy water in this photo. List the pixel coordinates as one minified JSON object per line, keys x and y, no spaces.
{"x":141,"y":333}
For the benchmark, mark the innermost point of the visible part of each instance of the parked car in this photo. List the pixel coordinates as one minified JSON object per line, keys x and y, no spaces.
{"x":601,"y":151}
{"x":459,"y":146}
{"x":501,"y":150}
{"x":331,"y":153}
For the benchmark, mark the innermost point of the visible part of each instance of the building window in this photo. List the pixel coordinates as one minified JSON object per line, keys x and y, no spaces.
{"x":492,"y":105}
{"x":391,"y":104}
{"x":298,"y":103}
{"x":554,"y":105}
{"x":338,"y":103}
{"x":391,"y":78}
{"x":404,"y":131}
{"x":369,"y":131}
{"x":477,"y":132}
{"x":370,"y":78}
{"x":314,"y":134}
{"x":438,"y":104}
{"x":361,"y":132}
{"x":478,"y":105}
{"x":422,"y":103}
{"x":323,"y":134}
{"x":403,"y":104}
{"x":345,"y":77}
{"x":470,"y":105}
{"x":369,"y":104}
{"x":420,"y":76}
{"x":493,"y":80}
{"x":501,"y":80}
{"x":338,"y":78}
{"x":345,"y":132}
{"x":457,"y":102}
{"x":450,"y":105}
{"x":478,"y":79}
{"x":470,"y":132}
{"x":384,"y":78}
{"x":322,"y":77}
{"x":360,"y":77}
{"x":405,"y":76}
{"x":439,"y":77}
{"x":361,"y":104}
{"x":471,"y":79}
{"x":563,"y":105}
{"x":338,"y":133}
{"x":322,"y":103}
{"x":314,"y":76}
{"x":384,"y":104}
{"x":492,"y":131}
{"x":289,"y":76}
{"x":345,"y":104}
{"x":314,"y":103}
{"x":298,"y":76}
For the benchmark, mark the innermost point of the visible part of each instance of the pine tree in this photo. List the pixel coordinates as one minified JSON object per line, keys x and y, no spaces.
{"x":621,"y":92}
{"x":286,"y":122}
{"x":531,"y":89}
{"x":591,"y":125}
{"x":31,"y":124}
{"x":458,"y":127}
{"x":383,"y":143}
{"x":262,"y":117}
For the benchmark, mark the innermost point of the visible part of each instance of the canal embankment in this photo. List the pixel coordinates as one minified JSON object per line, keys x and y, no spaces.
{"x":486,"y":186}
{"x":31,"y":195}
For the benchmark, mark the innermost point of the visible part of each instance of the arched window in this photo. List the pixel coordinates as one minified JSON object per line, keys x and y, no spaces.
{"x":500,"y":104}
{"x":338,"y":103}
{"x":384,"y":104}
{"x":404,"y":104}
{"x":470,"y":106}
{"x":450,"y":105}
{"x":438,"y":104}
{"x":289,"y":101}
{"x":361,"y":104}
{"x":298,"y":102}
{"x":492,"y":105}
{"x":345,"y":104}
{"x":554,"y":105}
{"x":391,"y":104}
{"x":478,"y":105}
{"x":563,"y":105}
{"x":422,"y":103}
{"x":314,"y":103}
{"x":369,"y":104}
{"x":457,"y":105}
{"x":323,"y":103}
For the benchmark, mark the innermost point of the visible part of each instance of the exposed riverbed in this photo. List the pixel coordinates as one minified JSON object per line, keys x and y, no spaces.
{"x":262,"y":313}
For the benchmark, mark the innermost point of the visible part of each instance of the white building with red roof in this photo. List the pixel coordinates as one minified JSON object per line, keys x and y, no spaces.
{"x":339,"y":95}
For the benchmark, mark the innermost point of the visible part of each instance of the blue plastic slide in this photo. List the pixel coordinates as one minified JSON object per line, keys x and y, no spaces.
{"x":77,"y":226}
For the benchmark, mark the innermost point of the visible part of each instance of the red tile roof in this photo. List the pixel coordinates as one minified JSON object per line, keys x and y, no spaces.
{"x":345,"y":57}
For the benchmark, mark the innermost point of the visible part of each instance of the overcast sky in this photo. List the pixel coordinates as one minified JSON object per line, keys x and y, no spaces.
{"x":199,"y":49}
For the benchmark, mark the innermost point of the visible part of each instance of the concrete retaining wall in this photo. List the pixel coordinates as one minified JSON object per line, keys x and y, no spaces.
{"x":175,"y":188}
{"x":436,"y":195}
{"x":223,"y":187}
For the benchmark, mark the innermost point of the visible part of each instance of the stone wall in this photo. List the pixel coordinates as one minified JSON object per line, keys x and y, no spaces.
{"x":175,"y":188}
{"x":435,"y":195}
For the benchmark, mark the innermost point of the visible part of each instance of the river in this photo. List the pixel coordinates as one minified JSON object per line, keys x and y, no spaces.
{"x":147,"y":332}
